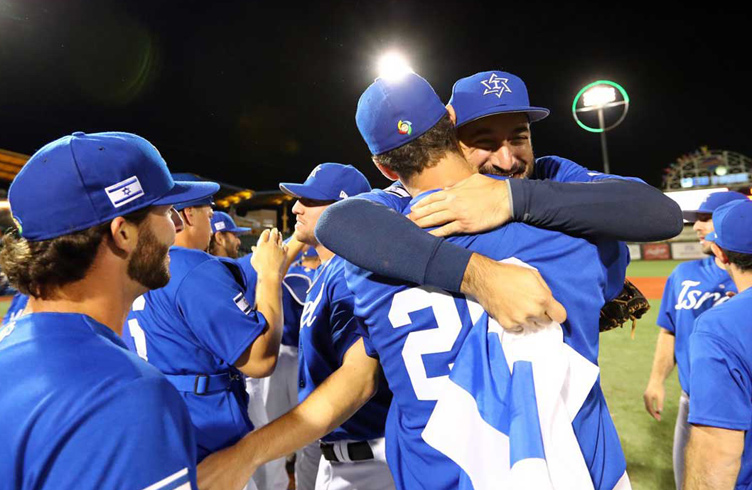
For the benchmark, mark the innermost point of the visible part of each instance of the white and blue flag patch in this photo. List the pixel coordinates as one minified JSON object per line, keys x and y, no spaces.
{"x":242,"y":303}
{"x":124,"y":191}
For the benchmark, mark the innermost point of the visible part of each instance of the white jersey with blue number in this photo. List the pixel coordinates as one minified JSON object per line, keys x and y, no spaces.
{"x":417,"y":332}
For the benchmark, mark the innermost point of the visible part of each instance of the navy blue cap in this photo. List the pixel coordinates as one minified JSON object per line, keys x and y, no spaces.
{"x":83,"y":180}
{"x":202,"y":201}
{"x":711,"y":203}
{"x":392,"y":113}
{"x":222,"y":221}
{"x":733,"y":226}
{"x":489,"y":93}
{"x":329,"y":182}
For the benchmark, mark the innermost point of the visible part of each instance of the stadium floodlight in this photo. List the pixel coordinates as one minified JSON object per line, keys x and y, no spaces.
{"x":600,"y":96}
{"x":393,"y":66}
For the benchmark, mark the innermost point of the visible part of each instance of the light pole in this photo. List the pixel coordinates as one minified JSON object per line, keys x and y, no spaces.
{"x":599,"y":96}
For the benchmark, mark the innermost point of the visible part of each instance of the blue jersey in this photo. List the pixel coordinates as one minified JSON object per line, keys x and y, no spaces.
{"x":553,"y":168}
{"x":295,"y":285}
{"x":720,"y":357}
{"x":16,"y":307}
{"x":328,"y":328}
{"x":692,"y":288}
{"x":417,"y":344}
{"x":81,"y":411}
{"x":193,"y":330}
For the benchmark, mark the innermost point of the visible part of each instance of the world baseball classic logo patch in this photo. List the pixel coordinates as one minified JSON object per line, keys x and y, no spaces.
{"x":405,"y":127}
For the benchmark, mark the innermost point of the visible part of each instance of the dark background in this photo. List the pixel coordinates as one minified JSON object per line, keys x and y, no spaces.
{"x":252,"y":93}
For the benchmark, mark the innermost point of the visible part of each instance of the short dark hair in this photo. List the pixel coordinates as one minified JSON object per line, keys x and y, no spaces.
{"x":423,"y":152}
{"x":38,"y":268}
{"x":741,"y":260}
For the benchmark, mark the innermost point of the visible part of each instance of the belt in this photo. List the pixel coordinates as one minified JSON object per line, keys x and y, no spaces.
{"x":202,"y":384}
{"x":355,"y":451}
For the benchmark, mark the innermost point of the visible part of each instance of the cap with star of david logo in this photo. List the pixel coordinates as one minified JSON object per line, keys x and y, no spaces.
{"x":489,"y":93}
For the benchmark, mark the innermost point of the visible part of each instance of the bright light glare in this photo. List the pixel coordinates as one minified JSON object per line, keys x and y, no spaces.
{"x":599,"y":95}
{"x":393,"y":66}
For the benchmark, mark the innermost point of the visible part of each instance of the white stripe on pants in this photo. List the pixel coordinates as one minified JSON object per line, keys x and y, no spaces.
{"x":681,"y":436}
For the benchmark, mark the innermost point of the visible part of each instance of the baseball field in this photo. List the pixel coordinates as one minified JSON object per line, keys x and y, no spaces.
{"x":625,"y":367}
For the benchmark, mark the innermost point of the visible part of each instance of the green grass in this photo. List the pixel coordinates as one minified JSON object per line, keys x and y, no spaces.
{"x":625,"y":368}
{"x":652,"y":268}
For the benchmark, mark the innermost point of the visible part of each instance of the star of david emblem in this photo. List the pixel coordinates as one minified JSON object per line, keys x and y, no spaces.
{"x":495,"y":85}
{"x":127,"y":191}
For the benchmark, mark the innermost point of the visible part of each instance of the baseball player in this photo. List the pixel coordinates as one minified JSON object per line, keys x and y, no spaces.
{"x":202,"y":332}
{"x":417,"y":332}
{"x":94,"y":221}
{"x":692,"y":288}
{"x":720,"y":367}
{"x":224,"y":240}
{"x":493,"y":115}
{"x":225,"y":243}
{"x":352,"y":454}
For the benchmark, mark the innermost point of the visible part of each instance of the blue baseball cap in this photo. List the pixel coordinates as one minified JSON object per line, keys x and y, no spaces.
{"x":733,"y":226}
{"x":711,"y":203}
{"x":222,"y":221}
{"x":329,"y":182}
{"x":83,"y":180}
{"x":392,"y":113}
{"x":201,"y":201}
{"x":489,"y":93}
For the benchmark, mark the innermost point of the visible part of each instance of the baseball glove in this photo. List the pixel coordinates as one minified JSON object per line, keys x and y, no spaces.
{"x":629,"y":305}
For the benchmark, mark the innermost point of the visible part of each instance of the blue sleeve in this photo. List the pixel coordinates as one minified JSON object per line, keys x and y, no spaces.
{"x":666,"y":314}
{"x":214,"y":305}
{"x":563,"y":170}
{"x":611,"y":209}
{"x":720,"y":388}
{"x":17,"y":306}
{"x":346,"y":327}
{"x":380,"y":240}
{"x":143,"y":438}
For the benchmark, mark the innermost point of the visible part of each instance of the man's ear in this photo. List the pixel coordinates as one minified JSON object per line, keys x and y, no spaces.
{"x":452,"y":114}
{"x":124,"y":236}
{"x":189,"y":217}
{"x":719,"y":253}
{"x":386,"y":172}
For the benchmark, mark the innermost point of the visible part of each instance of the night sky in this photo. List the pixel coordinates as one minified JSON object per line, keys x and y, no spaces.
{"x":252,"y":93}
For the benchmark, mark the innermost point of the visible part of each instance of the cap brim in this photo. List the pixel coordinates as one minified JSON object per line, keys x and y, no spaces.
{"x":238,"y":229}
{"x":534,"y":114}
{"x":711,"y":237}
{"x":186,"y":192}
{"x":691,"y":216}
{"x":304,"y":191}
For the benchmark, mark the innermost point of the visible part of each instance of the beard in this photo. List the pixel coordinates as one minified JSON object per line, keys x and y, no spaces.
{"x":149,"y":265}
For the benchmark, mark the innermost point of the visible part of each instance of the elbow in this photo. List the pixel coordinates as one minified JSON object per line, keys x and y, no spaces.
{"x":261,"y":368}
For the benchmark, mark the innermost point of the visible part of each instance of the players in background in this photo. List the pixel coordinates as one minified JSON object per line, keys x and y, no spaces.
{"x":202,"y":332}
{"x":427,"y":157}
{"x":493,"y":114}
{"x":692,"y":288}
{"x":224,"y":240}
{"x":720,"y":367}
{"x":94,"y":222}
{"x":352,"y":455}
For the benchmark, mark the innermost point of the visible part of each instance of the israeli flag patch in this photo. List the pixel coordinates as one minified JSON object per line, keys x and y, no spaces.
{"x":242,"y":303}
{"x":220,"y":225}
{"x":125,"y":191}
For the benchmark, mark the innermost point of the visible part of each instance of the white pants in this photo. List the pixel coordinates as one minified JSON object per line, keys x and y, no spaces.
{"x":372,"y":474}
{"x":681,"y":436}
{"x":307,"y":462}
{"x":272,"y":475}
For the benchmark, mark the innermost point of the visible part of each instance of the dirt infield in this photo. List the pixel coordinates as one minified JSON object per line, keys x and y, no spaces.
{"x":651,"y":287}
